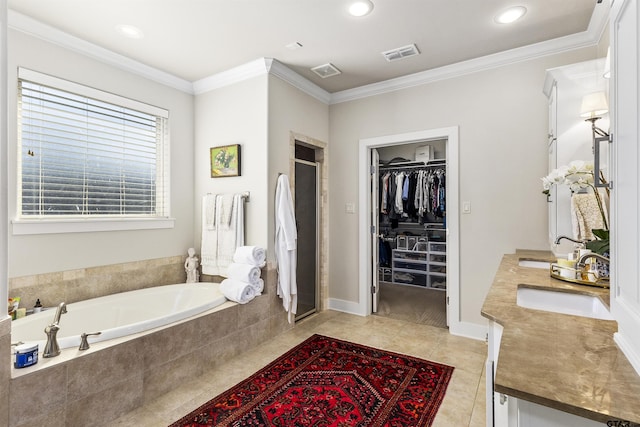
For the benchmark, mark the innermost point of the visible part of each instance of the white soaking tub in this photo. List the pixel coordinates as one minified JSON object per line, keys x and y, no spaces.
{"x":120,"y":314}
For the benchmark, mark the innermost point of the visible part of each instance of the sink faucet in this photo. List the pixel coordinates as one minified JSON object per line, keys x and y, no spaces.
{"x":581,"y":261}
{"x":51,"y":349}
{"x":579,"y":242}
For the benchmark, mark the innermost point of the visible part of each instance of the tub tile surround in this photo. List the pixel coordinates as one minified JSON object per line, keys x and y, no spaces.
{"x":564,"y":362}
{"x":78,"y":285}
{"x":117,"y":376}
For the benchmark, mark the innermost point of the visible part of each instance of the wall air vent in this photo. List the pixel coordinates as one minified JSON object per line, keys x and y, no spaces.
{"x":401,"y":53}
{"x":326,"y":70}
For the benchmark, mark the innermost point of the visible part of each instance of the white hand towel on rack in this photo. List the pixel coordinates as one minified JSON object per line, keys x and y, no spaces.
{"x":209,"y":213}
{"x":209,"y":246}
{"x":219,"y":244}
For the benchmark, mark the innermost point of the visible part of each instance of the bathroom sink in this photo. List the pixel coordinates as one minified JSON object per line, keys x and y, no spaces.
{"x":534,"y":264}
{"x":563,"y":302}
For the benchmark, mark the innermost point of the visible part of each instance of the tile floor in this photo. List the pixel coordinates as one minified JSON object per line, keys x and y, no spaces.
{"x":463,"y":405}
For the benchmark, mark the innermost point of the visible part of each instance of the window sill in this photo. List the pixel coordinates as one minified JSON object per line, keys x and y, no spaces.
{"x":50,"y":226}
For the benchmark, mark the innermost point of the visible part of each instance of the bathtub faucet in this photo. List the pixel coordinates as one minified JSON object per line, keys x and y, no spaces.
{"x":51,"y":349}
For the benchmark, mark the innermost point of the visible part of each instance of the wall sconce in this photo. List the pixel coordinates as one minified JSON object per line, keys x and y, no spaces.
{"x":593,"y":106}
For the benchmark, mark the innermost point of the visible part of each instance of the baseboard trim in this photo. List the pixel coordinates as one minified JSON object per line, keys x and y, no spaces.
{"x":346,"y":306}
{"x":469,"y":330}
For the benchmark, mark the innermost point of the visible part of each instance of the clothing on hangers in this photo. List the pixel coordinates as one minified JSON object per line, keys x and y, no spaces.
{"x":413,"y":195}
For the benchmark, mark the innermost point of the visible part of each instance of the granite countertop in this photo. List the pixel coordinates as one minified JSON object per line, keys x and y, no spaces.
{"x":565,"y":362}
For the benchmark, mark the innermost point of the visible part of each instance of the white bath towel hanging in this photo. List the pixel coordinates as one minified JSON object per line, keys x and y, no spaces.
{"x":209,"y":246}
{"x":209,"y":214}
{"x":219,"y":244}
{"x":286,"y":247}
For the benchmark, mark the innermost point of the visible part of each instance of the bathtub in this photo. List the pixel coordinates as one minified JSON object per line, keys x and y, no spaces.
{"x":120,"y":314}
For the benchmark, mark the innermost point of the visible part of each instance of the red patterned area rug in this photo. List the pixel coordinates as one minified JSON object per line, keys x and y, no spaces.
{"x":328,"y":382}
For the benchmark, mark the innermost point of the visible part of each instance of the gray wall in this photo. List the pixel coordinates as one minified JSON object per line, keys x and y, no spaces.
{"x":34,"y":254}
{"x":502,"y":117}
{"x":235,"y":114}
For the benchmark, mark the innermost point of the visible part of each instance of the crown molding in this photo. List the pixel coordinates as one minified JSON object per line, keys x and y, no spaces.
{"x":262,"y":66}
{"x":25,"y":24}
{"x":471,"y":66}
{"x":234,"y":75}
{"x":280,"y":70}
{"x":590,"y":37}
{"x":259,"y":67}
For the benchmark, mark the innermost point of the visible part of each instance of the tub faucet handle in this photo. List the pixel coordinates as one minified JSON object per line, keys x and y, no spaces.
{"x":84,"y":343}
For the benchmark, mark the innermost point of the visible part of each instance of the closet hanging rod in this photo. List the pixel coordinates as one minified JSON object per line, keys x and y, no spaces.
{"x":414,"y":165}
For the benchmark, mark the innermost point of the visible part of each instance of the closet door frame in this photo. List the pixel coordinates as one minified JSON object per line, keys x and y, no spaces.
{"x":453,"y":218}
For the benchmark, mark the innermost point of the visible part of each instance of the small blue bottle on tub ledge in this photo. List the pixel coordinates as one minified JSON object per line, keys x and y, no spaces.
{"x":26,"y":355}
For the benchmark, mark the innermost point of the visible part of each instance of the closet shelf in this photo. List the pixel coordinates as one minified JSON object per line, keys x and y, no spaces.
{"x":427,"y":268}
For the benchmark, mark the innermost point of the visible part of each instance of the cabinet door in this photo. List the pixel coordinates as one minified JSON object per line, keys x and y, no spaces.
{"x":534,"y":415}
{"x":625,"y":226}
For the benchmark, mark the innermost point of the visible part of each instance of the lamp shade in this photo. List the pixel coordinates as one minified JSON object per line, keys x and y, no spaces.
{"x":593,"y":105}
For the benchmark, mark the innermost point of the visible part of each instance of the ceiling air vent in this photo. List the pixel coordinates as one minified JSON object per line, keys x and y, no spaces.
{"x":401,"y":53}
{"x":326,"y":70}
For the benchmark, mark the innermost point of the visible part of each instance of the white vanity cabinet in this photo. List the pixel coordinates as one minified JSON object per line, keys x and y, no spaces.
{"x":625,"y":215}
{"x":570,"y":137}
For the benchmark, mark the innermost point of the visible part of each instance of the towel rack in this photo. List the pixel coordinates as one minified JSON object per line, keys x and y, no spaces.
{"x":244,"y":195}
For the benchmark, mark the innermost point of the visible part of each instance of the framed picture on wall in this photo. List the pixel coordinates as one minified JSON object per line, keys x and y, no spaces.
{"x":225,"y":161}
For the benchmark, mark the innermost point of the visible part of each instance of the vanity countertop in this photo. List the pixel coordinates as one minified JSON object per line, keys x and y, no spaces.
{"x":560,"y":361}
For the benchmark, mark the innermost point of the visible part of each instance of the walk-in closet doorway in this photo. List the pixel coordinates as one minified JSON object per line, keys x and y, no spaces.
{"x":410,"y":219}
{"x":409,"y":257}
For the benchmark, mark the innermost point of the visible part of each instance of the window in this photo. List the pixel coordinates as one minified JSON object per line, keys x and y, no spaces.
{"x":88,"y":154}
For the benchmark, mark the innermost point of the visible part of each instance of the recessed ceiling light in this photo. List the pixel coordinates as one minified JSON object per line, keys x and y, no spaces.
{"x":510,"y":15}
{"x":360,"y":7}
{"x":130,"y":31}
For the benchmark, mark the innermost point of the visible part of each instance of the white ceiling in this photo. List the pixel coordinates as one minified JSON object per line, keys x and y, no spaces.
{"x":195,"y":39}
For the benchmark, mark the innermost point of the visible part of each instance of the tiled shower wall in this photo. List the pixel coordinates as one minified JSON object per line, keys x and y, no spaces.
{"x":77,"y":285}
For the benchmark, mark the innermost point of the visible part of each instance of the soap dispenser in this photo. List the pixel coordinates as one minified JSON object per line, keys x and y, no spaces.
{"x":37,"y":308}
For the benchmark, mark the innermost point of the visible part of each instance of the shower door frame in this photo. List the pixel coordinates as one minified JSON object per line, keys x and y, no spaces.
{"x":316,"y":307}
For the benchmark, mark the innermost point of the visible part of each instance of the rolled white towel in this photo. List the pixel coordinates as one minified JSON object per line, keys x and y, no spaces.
{"x":237,"y":291}
{"x":243,"y":272}
{"x":252,"y":255}
{"x":258,"y":286}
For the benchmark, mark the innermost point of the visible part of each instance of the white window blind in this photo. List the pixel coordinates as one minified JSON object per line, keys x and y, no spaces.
{"x":88,"y":153}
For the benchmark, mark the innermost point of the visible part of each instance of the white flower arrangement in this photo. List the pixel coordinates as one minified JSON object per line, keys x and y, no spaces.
{"x":577,"y":175}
